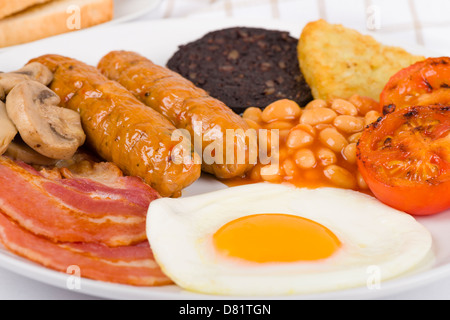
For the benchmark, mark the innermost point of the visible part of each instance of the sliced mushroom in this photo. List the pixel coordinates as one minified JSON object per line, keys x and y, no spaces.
{"x":19,"y":150}
{"x":52,"y":131}
{"x":32,"y":71}
{"x":7,"y":129}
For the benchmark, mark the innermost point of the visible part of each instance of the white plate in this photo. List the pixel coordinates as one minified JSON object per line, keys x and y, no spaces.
{"x":158,"y":40}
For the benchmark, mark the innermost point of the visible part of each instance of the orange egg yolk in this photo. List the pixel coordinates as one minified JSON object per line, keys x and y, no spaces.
{"x":275,"y":238}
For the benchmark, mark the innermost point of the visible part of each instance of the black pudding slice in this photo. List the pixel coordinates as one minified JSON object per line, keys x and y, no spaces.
{"x":244,"y":67}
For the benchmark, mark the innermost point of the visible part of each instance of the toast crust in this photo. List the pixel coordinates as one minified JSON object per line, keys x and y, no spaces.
{"x":9,"y":7}
{"x":53,"y":18}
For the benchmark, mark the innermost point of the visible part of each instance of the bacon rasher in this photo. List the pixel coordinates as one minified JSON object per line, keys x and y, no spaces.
{"x":132,"y":265}
{"x":87,"y":215}
{"x":75,"y":209}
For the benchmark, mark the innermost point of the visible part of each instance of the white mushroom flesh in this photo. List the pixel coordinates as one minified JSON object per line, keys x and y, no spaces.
{"x":50,"y":130}
{"x":20,"y":151}
{"x":7,"y":129}
{"x":32,"y":71}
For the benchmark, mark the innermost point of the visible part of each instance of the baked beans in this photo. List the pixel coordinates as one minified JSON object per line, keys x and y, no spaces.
{"x":317,"y":116}
{"x":317,"y":143}
{"x":281,"y":110}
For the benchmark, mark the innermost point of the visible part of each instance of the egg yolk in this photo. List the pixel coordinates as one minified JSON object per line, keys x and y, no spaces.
{"x":275,"y":238}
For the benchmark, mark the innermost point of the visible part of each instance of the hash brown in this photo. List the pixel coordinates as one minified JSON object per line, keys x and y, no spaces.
{"x":338,"y":62}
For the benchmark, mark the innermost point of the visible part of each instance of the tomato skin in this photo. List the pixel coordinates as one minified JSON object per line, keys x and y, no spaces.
{"x":416,"y":197}
{"x":426,"y":82}
{"x":416,"y":200}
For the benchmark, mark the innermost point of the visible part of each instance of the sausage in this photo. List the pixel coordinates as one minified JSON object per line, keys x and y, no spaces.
{"x":185,"y":105}
{"x":120,"y":128}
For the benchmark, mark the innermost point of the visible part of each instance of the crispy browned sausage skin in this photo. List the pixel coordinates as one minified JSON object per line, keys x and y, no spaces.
{"x":183,"y":104}
{"x":119,"y":127}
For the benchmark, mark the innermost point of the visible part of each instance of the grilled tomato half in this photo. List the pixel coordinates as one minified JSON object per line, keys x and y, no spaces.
{"x":426,"y":82}
{"x":404,"y":157}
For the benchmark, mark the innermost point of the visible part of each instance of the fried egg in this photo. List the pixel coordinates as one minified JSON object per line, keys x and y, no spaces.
{"x":270,"y":239}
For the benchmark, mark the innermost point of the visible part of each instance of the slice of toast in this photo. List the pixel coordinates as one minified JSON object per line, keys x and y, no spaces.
{"x":9,"y":7}
{"x":53,"y":18}
{"x":338,"y":62}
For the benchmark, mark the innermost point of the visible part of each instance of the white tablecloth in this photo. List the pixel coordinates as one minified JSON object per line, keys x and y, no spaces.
{"x":412,"y":22}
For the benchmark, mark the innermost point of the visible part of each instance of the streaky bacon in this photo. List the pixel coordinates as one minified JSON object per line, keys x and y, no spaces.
{"x":109,"y":209}
{"x":132,"y":265}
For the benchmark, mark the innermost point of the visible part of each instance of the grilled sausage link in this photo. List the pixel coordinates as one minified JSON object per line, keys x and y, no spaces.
{"x":187,"y":107}
{"x":120,"y":128}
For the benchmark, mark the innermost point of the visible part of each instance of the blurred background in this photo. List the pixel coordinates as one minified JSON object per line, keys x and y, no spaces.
{"x":406,"y":22}
{"x":418,"y":22}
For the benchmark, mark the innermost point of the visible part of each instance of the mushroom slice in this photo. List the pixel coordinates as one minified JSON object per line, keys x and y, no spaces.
{"x":20,"y":151}
{"x":52,"y":131}
{"x":7,"y":129}
{"x":32,"y":71}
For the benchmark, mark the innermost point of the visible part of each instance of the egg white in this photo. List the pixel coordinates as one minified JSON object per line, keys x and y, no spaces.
{"x":374,"y":237}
